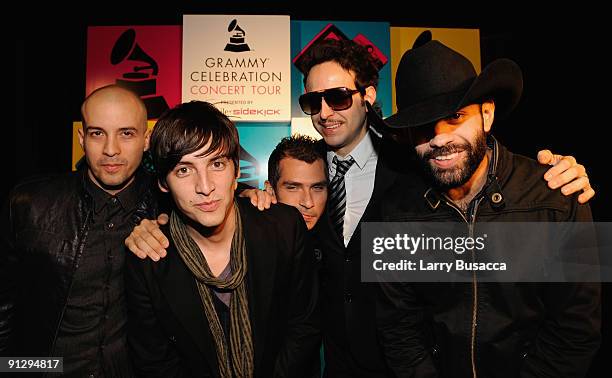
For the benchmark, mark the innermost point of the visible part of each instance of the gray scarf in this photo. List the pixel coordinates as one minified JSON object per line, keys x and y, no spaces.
{"x":237,"y":360}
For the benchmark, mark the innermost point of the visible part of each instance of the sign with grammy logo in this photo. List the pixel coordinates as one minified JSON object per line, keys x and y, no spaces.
{"x":239,"y":63}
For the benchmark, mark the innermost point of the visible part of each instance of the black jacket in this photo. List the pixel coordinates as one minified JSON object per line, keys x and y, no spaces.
{"x":506,"y":329}
{"x":347,"y":304}
{"x":44,"y":229}
{"x":169,"y":334}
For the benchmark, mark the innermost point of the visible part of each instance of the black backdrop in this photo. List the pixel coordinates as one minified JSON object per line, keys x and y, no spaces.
{"x":561,"y":53}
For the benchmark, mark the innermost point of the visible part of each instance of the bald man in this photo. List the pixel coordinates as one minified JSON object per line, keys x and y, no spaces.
{"x":62,"y":258}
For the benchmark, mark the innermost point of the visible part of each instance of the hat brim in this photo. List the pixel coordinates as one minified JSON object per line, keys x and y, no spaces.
{"x":501,"y":81}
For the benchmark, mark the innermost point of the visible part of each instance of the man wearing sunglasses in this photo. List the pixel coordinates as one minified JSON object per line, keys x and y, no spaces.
{"x":340,"y":83}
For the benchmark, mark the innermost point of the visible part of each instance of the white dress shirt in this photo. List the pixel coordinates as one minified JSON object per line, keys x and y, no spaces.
{"x":358,"y":181}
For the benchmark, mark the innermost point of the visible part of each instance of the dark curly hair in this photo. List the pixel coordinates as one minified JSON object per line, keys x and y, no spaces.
{"x":349,"y":55}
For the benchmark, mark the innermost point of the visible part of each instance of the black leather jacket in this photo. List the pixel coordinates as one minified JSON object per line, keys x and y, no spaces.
{"x":44,"y":229}
{"x":490,"y":329}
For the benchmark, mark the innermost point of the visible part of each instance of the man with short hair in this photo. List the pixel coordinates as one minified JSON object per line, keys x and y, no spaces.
{"x":237,"y":295}
{"x":62,"y":254}
{"x":297,"y":176}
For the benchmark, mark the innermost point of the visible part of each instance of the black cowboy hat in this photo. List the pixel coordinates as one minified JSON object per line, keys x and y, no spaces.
{"x":434,"y":81}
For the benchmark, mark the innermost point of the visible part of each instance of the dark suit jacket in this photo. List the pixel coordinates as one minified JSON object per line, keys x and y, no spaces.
{"x":169,"y":334}
{"x":348,"y":305}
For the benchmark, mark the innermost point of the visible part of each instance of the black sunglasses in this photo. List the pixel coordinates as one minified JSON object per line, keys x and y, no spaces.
{"x":336,"y":98}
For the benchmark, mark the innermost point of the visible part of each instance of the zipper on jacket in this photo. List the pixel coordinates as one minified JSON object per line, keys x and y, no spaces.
{"x":470,"y":220}
{"x":472,"y":216}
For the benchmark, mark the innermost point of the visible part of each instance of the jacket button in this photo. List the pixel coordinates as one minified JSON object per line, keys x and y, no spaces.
{"x":172,"y":338}
{"x":496,"y":198}
{"x":348,"y":297}
{"x":110,"y":225}
{"x":318,"y":254}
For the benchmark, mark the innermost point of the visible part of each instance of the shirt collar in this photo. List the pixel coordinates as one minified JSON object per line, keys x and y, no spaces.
{"x":127,"y":198}
{"x":361,"y":153}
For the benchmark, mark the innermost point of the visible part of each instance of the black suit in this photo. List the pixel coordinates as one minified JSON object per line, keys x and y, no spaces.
{"x":348,"y":305}
{"x":169,"y":334}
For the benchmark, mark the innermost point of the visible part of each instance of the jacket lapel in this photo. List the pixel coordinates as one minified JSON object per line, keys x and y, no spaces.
{"x":261,"y":275}
{"x":384,"y":178}
{"x":181,"y":293}
{"x":327,"y":233}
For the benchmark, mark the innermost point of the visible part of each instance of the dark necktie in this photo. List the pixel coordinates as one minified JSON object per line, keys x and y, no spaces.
{"x":337,"y":194}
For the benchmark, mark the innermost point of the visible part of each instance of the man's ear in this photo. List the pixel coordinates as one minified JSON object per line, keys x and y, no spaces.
{"x":162,"y":187}
{"x":147,"y":139}
{"x":269,"y":188}
{"x":237,"y":177}
{"x":488,"y":115}
{"x":370,"y":94}
{"x":81,"y":137}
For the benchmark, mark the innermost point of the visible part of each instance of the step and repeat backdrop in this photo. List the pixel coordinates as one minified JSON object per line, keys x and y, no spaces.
{"x":248,"y":65}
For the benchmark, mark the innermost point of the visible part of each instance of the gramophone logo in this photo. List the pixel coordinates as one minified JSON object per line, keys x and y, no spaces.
{"x":237,"y":39}
{"x":142,"y":79}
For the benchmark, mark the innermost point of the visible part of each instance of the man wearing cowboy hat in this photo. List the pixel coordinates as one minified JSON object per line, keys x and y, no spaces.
{"x":472,"y":329}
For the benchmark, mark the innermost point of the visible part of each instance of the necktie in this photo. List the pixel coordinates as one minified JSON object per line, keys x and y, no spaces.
{"x":337,"y":194}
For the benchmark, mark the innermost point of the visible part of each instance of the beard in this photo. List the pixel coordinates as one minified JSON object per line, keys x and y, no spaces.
{"x":448,"y":178}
